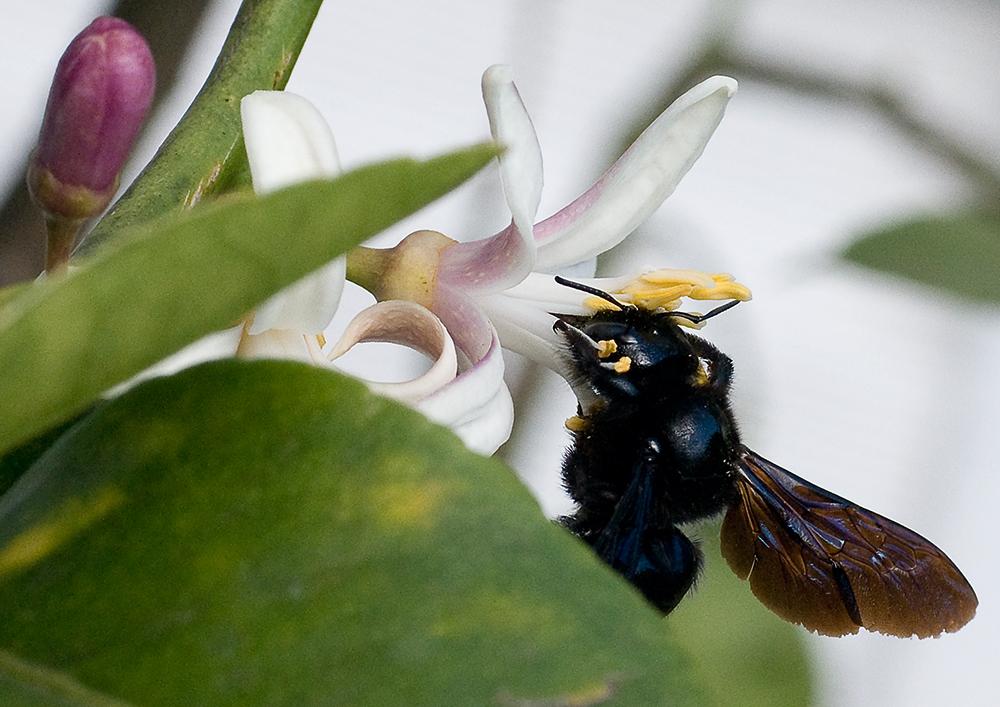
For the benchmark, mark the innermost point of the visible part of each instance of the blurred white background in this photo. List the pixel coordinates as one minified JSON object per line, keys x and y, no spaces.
{"x":883,"y":391}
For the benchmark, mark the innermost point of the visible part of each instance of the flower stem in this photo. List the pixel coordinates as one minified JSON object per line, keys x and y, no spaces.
{"x":62,"y":235}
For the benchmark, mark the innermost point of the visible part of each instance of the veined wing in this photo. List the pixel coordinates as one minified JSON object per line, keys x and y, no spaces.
{"x":818,"y":560}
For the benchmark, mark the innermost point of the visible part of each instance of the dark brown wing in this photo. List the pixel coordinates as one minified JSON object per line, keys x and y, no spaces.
{"x":817,"y":559}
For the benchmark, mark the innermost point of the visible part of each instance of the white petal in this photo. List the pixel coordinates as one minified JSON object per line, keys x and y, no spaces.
{"x":308,"y":305}
{"x":638,"y":182}
{"x":491,"y":428}
{"x":284,"y":344}
{"x":493,"y":264}
{"x":288,"y":142}
{"x":524,"y":324}
{"x":521,"y":160}
{"x":407,"y":324}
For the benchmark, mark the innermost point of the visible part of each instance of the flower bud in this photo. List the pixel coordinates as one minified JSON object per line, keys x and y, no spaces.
{"x":101,"y":91}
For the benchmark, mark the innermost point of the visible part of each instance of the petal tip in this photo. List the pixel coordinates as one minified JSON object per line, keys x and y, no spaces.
{"x":721,"y":83}
{"x":497,"y":74}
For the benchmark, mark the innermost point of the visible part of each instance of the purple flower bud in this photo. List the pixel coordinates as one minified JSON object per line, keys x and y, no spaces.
{"x":101,"y":91}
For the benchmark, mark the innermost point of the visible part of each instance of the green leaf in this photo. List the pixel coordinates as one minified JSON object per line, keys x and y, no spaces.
{"x":268,"y":533}
{"x":26,"y":685}
{"x":958,"y":253}
{"x":18,"y":460}
{"x":743,"y":653}
{"x":9,"y":293}
{"x":66,"y":340}
{"x":204,"y":154}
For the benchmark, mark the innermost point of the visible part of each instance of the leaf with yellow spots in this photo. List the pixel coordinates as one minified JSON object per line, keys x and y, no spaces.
{"x":244,"y":533}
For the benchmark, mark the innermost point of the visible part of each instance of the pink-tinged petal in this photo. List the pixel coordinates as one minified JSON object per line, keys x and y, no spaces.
{"x":638,"y":182}
{"x":521,"y":160}
{"x":288,"y":142}
{"x":493,"y":264}
{"x":408,"y":324}
{"x":476,"y":405}
{"x":465,"y":321}
{"x":488,"y":265}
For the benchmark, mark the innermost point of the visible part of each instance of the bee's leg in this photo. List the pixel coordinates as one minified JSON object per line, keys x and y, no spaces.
{"x":665,"y":568}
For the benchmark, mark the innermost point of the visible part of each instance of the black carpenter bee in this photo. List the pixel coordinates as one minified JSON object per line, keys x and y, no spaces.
{"x":655,"y":446}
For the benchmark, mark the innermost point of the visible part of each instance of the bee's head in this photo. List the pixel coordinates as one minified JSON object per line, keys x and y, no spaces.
{"x":630,"y":351}
{"x":627,"y":351}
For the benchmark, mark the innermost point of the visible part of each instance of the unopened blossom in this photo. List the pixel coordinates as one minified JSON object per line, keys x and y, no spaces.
{"x":102,"y":89}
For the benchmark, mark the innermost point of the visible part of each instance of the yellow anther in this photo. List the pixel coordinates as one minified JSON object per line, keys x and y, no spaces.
{"x":724,"y":287}
{"x":599,"y":305}
{"x":665,"y":277}
{"x":688,"y":324}
{"x":663,"y":290}
{"x":657,"y":297}
{"x":606,"y":347}
{"x":576,"y":424}
{"x":623,"y":364}
{"x":321,"y":340}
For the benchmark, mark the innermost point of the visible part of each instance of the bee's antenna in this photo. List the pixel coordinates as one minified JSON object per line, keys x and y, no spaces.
{"x":593,"y":291}
{"x":699,"y":318}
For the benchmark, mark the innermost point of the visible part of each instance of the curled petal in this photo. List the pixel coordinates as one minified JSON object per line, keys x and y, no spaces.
{"x":638,"y":182}
{"x":489,"y":428}
{"x":407,"y":324}
{"x":477,"y":404}
{"x":493,"y":264}
{"x":288,"y":142}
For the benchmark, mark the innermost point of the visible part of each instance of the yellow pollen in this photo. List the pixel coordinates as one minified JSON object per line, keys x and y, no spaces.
{"x":623,"y":364}
{"x":658,"y":297}
{"x":576,"y":424}
{"x":599,"y":305}
{"x":606,"y":347}
{"x":700,"y":378}
{"x":663,"y":289}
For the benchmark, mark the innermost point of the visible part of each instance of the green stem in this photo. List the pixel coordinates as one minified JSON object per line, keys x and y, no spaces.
{"x":204,"y":155}
{"x":62,"y":233}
